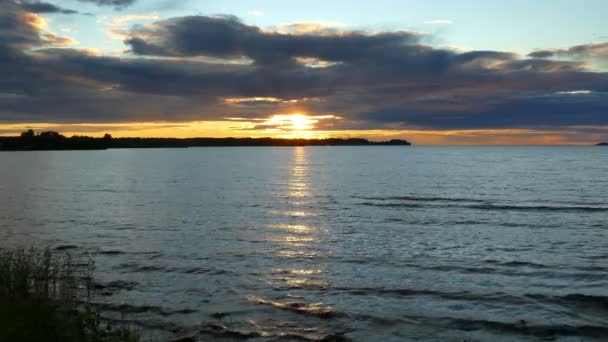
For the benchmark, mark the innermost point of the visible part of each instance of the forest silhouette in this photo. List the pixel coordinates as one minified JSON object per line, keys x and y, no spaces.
{"x":30,"y":140}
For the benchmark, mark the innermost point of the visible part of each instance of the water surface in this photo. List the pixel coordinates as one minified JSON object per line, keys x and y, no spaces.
{"x":383,"y":243}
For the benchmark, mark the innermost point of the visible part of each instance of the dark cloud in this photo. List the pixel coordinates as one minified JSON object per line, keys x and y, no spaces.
{"x":557,"y":110}
{"x":20,"y":29}
{"x":542,"y":54}
{"x":44,"y":7}
{"x":541,"y":65}
{"x":228,"y":37}
{"x":372,"y":80}
{"x":485,"y":55}
{"x":118,"y":4}
{"x":400,"y":52}
{"x":598,"y":50}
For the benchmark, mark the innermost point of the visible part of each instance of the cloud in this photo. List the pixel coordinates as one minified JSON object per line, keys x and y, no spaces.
{"x":286,"y":122}
{"x":228,"y":37}
{"x":21,"y":29}
{"x":117,"y":4}
{"x":438,"y":22}
{"x":574,"y":92}
{"x":597,"y":50}
{"x":541,"y":111}
{"x":178,"y":71}
{"x":266,"y":100}
{"x":541,"y":54}
{"x":117,"y":26}
{"x":43,"y":7}
{"x":400,"y":51}
{"x":316,"y":28}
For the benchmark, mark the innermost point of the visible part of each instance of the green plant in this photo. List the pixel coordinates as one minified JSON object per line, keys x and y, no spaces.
{"x":48,"y":297}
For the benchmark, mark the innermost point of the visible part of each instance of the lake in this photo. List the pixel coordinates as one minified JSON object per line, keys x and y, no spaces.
{"x":370,"y":243}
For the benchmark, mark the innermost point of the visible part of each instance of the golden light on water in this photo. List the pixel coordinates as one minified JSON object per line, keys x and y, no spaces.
{"x":294,"y":228}
{"x":303,"y":271}
{"x":293,"y":240}
{"x":296,"y":239}
{"x":304,"y":282}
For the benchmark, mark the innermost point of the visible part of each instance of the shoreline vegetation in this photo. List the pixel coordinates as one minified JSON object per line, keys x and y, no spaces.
{"x":31,"y":141}
{"x":602,"y":144}
{"x":47,"y":296}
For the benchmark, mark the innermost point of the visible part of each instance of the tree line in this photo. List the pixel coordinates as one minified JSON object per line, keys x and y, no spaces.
{"x":30,"y":140}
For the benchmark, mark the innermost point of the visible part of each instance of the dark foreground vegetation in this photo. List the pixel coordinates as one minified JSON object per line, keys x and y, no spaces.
{"x":47,"y":297}
{"x":54,"y":141}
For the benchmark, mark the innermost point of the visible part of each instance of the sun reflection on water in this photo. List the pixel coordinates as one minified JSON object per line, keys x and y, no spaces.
{"x":297,"y":243}
{"x":297,"y":254}
{"x":305,"y":282}
{"x":294,"y":228}
{"x":297,"y":239}
{"x":300,"y":271}
{"x":293,"y":213}
{"x":294,"y":240}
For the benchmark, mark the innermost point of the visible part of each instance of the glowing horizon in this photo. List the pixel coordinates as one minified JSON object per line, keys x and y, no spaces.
{"x":301,"y":128}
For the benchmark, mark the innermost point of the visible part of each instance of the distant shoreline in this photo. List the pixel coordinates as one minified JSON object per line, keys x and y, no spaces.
{"x":53,"y":141}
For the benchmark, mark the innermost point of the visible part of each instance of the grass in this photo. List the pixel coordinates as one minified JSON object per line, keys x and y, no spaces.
{"x":45,"y":296}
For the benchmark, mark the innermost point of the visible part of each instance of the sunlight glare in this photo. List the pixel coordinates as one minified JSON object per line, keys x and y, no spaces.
{"x":295,"y":125}
{"x":295,"y":122}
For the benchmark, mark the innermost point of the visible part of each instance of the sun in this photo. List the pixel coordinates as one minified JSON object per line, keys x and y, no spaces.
{"x":291,"y":122}
{"x":296,"y":125}
{"x":301,"y":122}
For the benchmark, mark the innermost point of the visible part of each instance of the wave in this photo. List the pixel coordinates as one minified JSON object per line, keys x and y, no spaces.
{"x":112,"y":287}
{"x":418,"y":198}
{"x":522,"y":269}
{"x":539,"y":208}
{"x":423,"y":199}
{"x":316,"y":309}
{"x":202,"y":270}
{"x":489,"y":206}
{"x":599,"y":303}
{"x":136,"y":267}
{"x":65,"y":247}
{"x":577,"y":299}
{"x":112,"y":252}
{"x":148,"y":325}
{"x":517,"y":327}
{"x":272,"y":330}
{"x":522,"y":327}
{"x":516,"y":263}
{"x":136,"y":309}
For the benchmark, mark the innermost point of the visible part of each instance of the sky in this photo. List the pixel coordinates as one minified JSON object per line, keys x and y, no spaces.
{"x":432,"y":72}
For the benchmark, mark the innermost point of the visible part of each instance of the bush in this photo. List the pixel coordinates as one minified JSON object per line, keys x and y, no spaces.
{"x":47,"y":297}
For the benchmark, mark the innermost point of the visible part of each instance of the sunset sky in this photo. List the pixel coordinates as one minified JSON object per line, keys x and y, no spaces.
{"x":430,"y":71}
